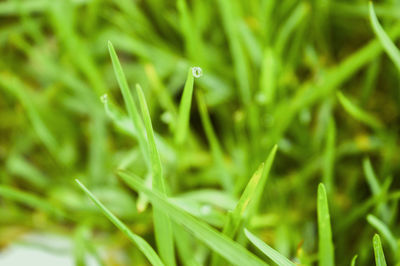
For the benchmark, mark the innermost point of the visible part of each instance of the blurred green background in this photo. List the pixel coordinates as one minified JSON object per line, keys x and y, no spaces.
{"x":306,"y":75}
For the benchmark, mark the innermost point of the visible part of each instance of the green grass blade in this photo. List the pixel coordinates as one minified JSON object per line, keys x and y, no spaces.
{"x":388,"y":45}
{"x":216,"y":150}
{"x":271,"y":253}
{"x":358,"y":113}
{"x":128,"y":99}
{"x":371,"y":177}
{"x":378,"y":251}
{"x":162,"y":223}
{"x":30,"y":200}
{"x":147,"y":250}
{"x":230,"y":250}
{"x":329,"y":156}
{"x":383,"y":229}
{"x":325,"y":253}
{"x":184,"y":109}
{"x":353,"y":261}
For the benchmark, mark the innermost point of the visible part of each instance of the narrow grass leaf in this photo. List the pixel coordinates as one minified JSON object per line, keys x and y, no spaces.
{"x":353,"y":261}
{"x":384,"y":230}
{"x":230,"y":250}
{"x":325,"y":253}
{"x":378,"y":251}
{"x":359,"y":114}
{"x":388,"y":45}
{"x":271,"y":253}
{"x":147,"y":250}
{"x":128,"y":99}
{"x":162,"y":223}
{"x":184,"y":109}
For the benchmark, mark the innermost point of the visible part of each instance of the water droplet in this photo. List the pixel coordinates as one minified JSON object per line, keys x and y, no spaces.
{"x":206,"y":209}
{"x":166,"y":117}
{"x":104,"y":98}
{"x":197,"y":72}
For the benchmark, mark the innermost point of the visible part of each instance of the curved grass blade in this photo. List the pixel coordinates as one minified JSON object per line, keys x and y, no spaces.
{"x":230,"y":250}
{"x":358,"y":113}
{"x":147,"y":250}
{"x":184,"y":109}
{"x":383,"y":38}
{"x":353,"y":261}
{"x":378,"y":251}
{"x":271,"y":253}
{"x":162,"y":223}
{"x":383,"y":229}
{"x":128,"y":99}
{"x":325,"y":253}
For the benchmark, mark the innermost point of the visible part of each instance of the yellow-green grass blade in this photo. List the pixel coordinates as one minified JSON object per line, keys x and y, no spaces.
{"x":216,"y":241}
{"x":329,"y":156}
{"x":325,"y":252}
{"x":384,"y":230}
{"x":388,"y":45}
{"x":147,"y":250}
{"x":226,"y":179}
{"x":358,"y":113}
{"x":128,"y":99}
{"x":378,"y":251}
{"x":353,"y":261}
{"x":162,"y":223}
{"x":30,"y":200}
{"x":184,"y":109}
{"x":271,"y":253}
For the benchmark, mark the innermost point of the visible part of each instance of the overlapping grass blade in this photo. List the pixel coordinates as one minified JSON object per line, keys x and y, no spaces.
{"x":184,"y":109}
{"x":162,"y":223}
{"x":228,"y":249}
{"x":358,"y":113}
{"x":378,"y":251}
{"x":388,"y":45}
{"x":325,"y":244}
{"x":147,"y":250}
{"x":271,"y":253}
{"x":129,"y":101}
{"x":383,"y":229}
{"x":353,"y":261}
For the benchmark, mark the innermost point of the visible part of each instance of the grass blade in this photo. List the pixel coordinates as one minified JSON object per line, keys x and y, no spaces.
{"x":271,"y":253}
{"x":162,"y":223}
{"x":137,"y":240}
{"x":384,"y":39}
{"x":184,"y":109}
{"x":326,"y":253}
{"x":383,"y":229}
{"x":358,"y":113}
{"x":128,"y":99}
{"x":378,"y":251}
{"x":230,"y":250}
{"x":353,"y":261}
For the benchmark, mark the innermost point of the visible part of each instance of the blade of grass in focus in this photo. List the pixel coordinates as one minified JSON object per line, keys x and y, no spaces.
{"x":271,"y":253}
{"x":228,"y":249}
{"x":378,"y":251}
{"x":325,"y":244}
{"x":162,"y":223}
{"x":182,"y":127}
{"x":147,"y":250}
{"x":388,"y":45}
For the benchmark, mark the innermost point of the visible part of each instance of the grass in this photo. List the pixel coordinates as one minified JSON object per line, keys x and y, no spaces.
{"x":201,"y":179}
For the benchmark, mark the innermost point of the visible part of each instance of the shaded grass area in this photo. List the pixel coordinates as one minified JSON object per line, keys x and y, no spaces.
{"x":319,"y":79}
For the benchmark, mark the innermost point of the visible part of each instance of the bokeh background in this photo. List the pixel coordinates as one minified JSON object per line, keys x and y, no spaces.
{"x":285,"y":72}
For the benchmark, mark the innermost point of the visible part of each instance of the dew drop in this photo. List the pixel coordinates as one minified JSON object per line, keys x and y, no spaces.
{"x":166,"y":117}
{"x":104,"y":98}
{"x":206,"y":209}
{"x":197,"y":72}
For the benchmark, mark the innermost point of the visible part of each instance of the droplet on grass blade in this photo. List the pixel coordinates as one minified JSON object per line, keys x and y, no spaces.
{"x":205,"y":209}
{"x":197,"y":72}
{"x":166,"y":117}
{"x":104,"y":98}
